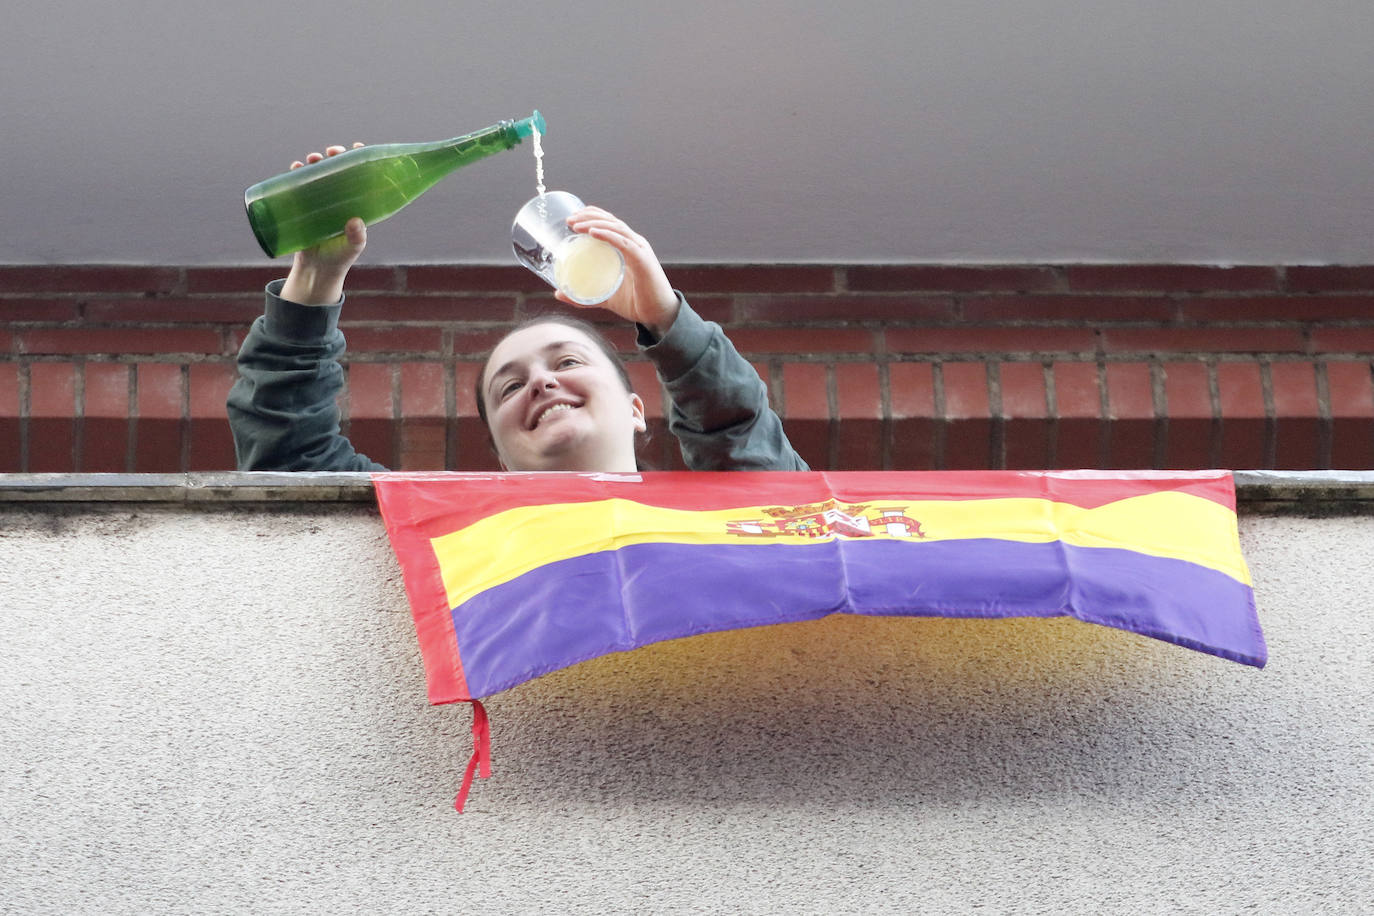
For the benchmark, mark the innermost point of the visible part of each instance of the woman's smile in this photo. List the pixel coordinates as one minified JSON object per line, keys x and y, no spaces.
{"x":550,"y":411}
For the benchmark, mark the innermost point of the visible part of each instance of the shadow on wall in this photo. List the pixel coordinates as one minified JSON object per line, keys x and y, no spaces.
{"x":857,"y":710}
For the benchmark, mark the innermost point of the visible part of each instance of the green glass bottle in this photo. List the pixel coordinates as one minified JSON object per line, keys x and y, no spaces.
{"x":305,"y":206}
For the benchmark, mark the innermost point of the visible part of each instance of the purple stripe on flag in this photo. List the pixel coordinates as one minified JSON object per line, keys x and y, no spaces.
{"x":583,"y":607}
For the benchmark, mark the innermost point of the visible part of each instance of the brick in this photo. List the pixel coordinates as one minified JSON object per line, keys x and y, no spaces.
{"x":1023,"y":391}
{"x":1343,"y":340}
{"x":937,"y":277}
{"x":179,"y":310}
{"x":52,"y":417}
{"x":382,"y":308}
{"x":252,"y":281}
{"x":806,"y":390}
{"x":968,"y":416}
{"x":75,"y":279}
{"x":916,"y":431}
{"x":1094,"y":309}
{"x":799,"y":342}
{"x":105,"y":419}
{"x":373,"y":427}
{"x":473,"y":444}
{"x":1077,"y":391}
{"x":999,"y":340}
{"x":159,"y":390}
{"x":1350,"y":392}
{"x":1329,"y":278}
{"x":1203,"y":340}
{"x":1350,"y":399}
{"x":720,"y":308}
{"x":370,"y":390}
{"x":423,"y":444}
{"x":244,"y":281}
{"x":38,"y":309}
{"x":424,"y":417}
{"x":655,"y":448}
{"x":208,"y":387}
{"x":542,"y":306}
{"x":473,"y":343}
{"x":617,"y":332}
{"x":411,"y":341}
{"x":858,"y":392}
{"x":1170,"y":277}
{"x":644,"y":382}
{"x":693,"y":280}
{"x":806,"y":414}
{"x":1026,"y":416}
{"x":846,"y":307}
{"x":160,"y":426}
{"x":465,"y":379}
{"x":1130,"y":416}
{"x":1191,"y":430}
{"x":1187,"y":390}
{"x":423,"y":390}
{"x":234,"y":339}
{"x":1079,"y":428}
{"x":1297,"y":416}
{"x":11,"y":461}
{"x":1243,"y":415}
{"x":1277,"y":308}
{"x":119,"y":341}
{"x":471,"y":279}
{"x":966,"y":390}
{"x":106,"y":391}
{"x":859,"y":401}
{"x":211,"y":441}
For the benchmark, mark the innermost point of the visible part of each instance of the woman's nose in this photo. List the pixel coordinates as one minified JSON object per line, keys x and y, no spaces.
{"x":540,"y":380}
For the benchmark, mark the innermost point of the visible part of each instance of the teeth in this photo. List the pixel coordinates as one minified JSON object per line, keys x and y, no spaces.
{"x":554,"y":409}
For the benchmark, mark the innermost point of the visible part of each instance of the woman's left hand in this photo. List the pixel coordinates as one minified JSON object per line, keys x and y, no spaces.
{"x":645,"y":295}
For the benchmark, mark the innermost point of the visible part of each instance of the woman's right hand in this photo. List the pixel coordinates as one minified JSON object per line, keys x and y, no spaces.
{"x":317,"y":274}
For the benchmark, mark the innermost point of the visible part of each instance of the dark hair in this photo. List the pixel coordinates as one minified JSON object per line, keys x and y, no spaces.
{"x":577,"y":324}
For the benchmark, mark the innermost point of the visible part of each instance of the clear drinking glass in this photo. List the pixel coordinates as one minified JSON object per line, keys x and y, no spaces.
{"x":586,"y":270}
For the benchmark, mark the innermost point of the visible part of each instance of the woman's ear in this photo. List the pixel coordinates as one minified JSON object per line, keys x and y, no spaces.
{"x":637,"y":407}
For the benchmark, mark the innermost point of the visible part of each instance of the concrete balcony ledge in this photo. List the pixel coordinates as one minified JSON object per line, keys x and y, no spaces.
{"x":1260,"y":492}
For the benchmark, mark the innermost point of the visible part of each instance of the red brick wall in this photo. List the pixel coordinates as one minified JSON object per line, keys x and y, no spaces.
{"x":108,"y":368}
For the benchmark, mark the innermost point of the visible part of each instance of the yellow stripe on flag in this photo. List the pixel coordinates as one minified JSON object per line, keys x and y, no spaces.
{"x":1167,"y":524}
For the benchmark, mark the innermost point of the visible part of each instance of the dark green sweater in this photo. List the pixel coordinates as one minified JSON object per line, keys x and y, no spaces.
{"x":284,"y":413}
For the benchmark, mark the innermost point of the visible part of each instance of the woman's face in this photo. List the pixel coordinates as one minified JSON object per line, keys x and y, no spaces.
{"x":555,"y":402}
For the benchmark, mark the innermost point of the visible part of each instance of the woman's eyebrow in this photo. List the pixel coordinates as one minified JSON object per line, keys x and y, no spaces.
{"x":511,"y":365}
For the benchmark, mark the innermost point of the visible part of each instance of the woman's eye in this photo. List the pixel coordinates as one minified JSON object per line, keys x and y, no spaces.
{"x":568,"y":361}
{"x":510,"y":388}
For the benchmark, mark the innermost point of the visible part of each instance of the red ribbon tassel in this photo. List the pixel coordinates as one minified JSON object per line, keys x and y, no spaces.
{"x":480,"y":764}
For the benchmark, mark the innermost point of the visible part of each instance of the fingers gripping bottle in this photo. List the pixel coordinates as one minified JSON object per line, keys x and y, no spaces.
{"x":305,"y":206}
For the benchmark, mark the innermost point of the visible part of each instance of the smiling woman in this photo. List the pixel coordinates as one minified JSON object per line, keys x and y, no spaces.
{"x":554,"y":394}
{"x":560,"y":399}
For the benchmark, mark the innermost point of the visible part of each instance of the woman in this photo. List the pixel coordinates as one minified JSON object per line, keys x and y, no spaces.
{"x":553,"y":393}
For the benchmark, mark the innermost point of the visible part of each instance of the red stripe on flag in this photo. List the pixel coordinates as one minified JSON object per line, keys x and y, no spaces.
{"x":441,"y":510}
{"x":408,"y":530}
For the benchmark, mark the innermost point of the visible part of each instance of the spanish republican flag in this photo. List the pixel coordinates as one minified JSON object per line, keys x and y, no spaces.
{"x":511,"y":576}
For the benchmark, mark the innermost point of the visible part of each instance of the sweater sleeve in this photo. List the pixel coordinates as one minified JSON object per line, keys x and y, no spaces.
{"x":718,"y":406}
{"x":283,"y":409}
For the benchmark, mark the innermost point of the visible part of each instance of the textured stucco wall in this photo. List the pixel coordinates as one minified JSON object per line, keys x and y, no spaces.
{"x":222,"y":709}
